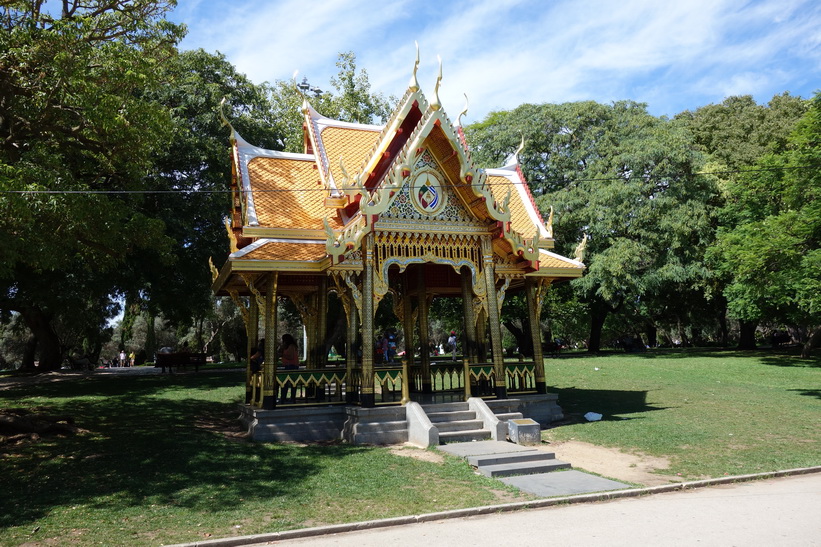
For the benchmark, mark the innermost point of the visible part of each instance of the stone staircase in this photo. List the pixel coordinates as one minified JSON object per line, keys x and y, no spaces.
{"x":456,"y":423}
{"x":526,"y":462}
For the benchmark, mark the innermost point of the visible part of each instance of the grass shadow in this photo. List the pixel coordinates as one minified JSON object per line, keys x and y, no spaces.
{"x":145,"y":447}
{"x":610,"y":403}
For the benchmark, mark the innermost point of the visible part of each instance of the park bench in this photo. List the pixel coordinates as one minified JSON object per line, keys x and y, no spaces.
{"x":179,"y":360}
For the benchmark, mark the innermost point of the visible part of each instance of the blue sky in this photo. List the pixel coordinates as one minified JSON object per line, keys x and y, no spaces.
{"x":674,"y":56}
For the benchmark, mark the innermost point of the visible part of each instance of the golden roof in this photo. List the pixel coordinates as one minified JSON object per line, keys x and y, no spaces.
{"x":352,"y":145}
{"x":287,"y":193}
{"x":282,"y":250}
{"x":553,"y":263}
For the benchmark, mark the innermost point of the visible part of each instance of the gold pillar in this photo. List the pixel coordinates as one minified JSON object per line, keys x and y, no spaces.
{"x":269,"y":370}
{"x":493,"y":319}
{"x":424,"y":341}
{"x":322,"y":322}
{"x":469,"y":348}
{"x":350,"y":361}
{"x":533,"y":312}
{"x":310,"y":331}
{"x":407,"y":316}
{"x":252,"y":330}
{"x":481,"y":336}
{"x":366,"y":395}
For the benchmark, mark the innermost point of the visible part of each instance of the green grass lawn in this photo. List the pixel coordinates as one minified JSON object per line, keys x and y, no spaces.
{"x":155,"y":468}
{"x":711,"y":413}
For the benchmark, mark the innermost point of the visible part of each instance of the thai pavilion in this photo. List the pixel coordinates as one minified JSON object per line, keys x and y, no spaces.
{"x":369,"y":210}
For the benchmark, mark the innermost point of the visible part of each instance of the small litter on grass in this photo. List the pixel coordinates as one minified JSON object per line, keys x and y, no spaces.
{"x":592,"y":416}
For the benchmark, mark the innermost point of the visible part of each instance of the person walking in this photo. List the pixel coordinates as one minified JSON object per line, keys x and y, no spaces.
{"x":452,"y":344}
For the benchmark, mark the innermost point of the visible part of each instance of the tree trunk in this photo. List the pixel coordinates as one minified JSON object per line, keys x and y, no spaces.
{"x":523,"y":340}
{"x":40,"y":325}
{"x":652,"y":335}
{"x":746,"y":339}
{"x":722,"y":322}
{"x":150,"y":336}
{"x":813,"y":341}
{"x":30,"y":353}
{"x":598,"y":313}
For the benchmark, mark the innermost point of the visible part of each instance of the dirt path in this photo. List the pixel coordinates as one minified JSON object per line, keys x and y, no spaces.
{"x":613,"y":463}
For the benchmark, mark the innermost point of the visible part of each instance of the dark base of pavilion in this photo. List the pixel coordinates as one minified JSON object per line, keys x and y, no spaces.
{"x":429,"y":420}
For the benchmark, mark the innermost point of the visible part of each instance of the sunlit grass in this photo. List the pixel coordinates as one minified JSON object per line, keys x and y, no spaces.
{"x":710,"y":413}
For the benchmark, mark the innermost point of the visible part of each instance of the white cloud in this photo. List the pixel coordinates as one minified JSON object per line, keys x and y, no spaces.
{"x":503,"y":53}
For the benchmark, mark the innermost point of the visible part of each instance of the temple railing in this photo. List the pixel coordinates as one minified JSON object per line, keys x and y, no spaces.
{"x":334,"y":385}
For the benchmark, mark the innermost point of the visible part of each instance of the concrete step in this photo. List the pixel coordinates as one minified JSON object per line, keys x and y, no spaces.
{"x":460,"y":425}
{"x":445,"y":407}
{"x":522,"y":468}
{"x":463,"y":436}
{"x":454,"y":416}
{"x":376,"y":427}
{"x":513,"y":457}
{"x":505,"y":416}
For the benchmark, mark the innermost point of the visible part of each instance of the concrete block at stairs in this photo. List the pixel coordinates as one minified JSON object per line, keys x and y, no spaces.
{"x":461,"y":425}
{"x":437,"y":417}
{"x":511,"y":457}
{"x":524,"y":431}
{"x":421,"y":432}
{"x":522,"y":468}
{"x":467,"y":436}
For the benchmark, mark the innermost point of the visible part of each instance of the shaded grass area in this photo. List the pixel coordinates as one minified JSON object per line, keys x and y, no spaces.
{"x":710,"y":413}
{"x":156,"y":467}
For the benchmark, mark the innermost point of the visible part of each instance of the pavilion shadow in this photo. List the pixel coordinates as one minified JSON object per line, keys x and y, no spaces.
{"x":612,"y":404}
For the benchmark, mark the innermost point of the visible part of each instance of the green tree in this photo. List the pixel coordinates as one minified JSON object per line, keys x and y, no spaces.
{"x":735,"y":135}
{"x":772,"y":255}
{"x":624,"y":179}
{"x":75,"y":120}
{"x":353,"y":102}
{"x":190,"y":181}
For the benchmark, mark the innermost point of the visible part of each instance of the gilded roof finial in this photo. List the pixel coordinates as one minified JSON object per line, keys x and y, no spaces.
{"x":549,"y":226}
{"x":225,"y":120}
{"x":519,"y":150}
{"x":414,"y":83}
{"x":436,"y":104}
{"x":305,"y":105}
{"x":463,"y":112}
{"x":579,"y":253}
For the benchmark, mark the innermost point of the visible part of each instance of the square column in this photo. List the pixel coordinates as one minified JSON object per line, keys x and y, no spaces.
{"x":533,"y":312}
{"x":252,"y":331}
{"x":269,"y":368}
{"x":493,"y":319}
{"x":366,"y":393}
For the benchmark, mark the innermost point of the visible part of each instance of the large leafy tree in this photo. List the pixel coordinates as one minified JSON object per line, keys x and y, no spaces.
{"x":620,"y":177}
{"x":735,"y":135}
{"x":77,"y":135}
{"x":772,"y":255}
{"x":190,"y":180}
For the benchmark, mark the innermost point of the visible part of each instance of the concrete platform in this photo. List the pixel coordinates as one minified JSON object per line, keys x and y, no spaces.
{"x":562,"y":483}
{"x":556,"y":483}
{"x":483,"y":448}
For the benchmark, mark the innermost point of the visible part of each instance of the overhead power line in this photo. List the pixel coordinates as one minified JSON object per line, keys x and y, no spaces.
{"x":324,"y":189}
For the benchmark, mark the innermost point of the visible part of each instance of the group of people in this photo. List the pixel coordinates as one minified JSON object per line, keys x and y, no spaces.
{"x":121,"y":360}
{"x":289,"y":358}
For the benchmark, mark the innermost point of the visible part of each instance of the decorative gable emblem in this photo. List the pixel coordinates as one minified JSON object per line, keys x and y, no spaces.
{"x":427,"y":193}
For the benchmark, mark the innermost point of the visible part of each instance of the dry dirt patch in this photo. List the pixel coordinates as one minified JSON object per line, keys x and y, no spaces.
{"x":613,"y":463}
{"x":408,"y":451}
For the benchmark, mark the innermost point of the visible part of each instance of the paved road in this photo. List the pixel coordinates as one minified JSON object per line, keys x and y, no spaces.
{"x":774,"y":512}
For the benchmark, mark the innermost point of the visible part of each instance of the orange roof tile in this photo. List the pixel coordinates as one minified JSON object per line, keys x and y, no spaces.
{"x":352,"y":145}
{"x":287,"y":193}
{"x":552,"y":261}
{"x":271,"y":249}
